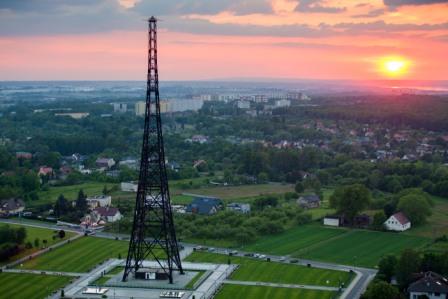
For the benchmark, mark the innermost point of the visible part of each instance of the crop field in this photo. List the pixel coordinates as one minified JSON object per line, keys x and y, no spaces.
{"x":80,"y":255}
{"x":30,"y":286}
{"x":33,"y":233}
{"x":263,"y":292}
{"x":70,"y":192}
{"x":236,"y":192}
{"x":294,"y":239}
{"x":360,"y":248}
{"x":258,"y":270}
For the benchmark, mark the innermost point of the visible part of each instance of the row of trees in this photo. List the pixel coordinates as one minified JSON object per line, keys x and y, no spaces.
{"x":11,"y":240}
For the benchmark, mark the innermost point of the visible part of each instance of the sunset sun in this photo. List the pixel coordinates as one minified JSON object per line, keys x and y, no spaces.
{"x":394,"y":66}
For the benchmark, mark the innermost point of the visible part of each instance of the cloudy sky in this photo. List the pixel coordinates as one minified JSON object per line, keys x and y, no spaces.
{"x":214,"y":39}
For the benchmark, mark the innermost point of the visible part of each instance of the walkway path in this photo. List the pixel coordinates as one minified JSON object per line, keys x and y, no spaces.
{"x":280,"y":285}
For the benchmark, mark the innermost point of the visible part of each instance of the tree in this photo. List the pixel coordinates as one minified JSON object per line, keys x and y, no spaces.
{"x":299,"y":187}
{"x":350,"y":200}
{"x":20,"y":235}
{"x":45,"y":242}
{"x":415,"y":207}
{"x":81,"y":202}
{"x":381,"y":290}
{"x":36,"y":242}
{"x":386,"y":267}
{"x":408,"y":263}
{"x":378,"y":220}
{"x":61,"y":234}
{"x":61,"y":206}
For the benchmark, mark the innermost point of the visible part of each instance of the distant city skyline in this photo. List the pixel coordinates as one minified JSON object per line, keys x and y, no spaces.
{"x":210,"y":40}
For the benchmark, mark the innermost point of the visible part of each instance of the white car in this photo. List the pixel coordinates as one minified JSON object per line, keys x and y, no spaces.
{"x":262,"y":256}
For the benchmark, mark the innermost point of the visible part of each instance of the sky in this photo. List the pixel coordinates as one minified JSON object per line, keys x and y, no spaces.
{"x":225,"y":39}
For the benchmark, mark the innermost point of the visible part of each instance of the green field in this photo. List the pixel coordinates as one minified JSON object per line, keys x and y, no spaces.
{"x":238,"y":192}
{"x":262,"y":292}
{"x":437,"y":223}
{"x":251,"y":269}
{"x":360,"y":247}
{"x":80,"y":255}
{"x":294,"y":239}
{"x":337,"y":245}
{"x":30,"y":286}
{"x":69,"y":192}
{"x":35,"y":232}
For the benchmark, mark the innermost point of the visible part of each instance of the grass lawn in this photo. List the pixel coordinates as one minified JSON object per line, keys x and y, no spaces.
{"x":70,"y":192}
{"x":437,"y":223}
{"x":36,"y":232}
{"x":294,"y":239}
{"x":236,"y":192}
{"x":181,"y":199}
{"x":198,"y":275}
{"x":360,"y":247}
{"x":262,"y":292}
{"x":79,"y":256}
{"x":30,"y":286}
{"x":258,"y":270}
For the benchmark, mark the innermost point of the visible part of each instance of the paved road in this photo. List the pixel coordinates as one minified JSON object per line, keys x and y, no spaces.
{"x":353,"y":291}
{"x":280,"y":285}
{"x":44,"y":272}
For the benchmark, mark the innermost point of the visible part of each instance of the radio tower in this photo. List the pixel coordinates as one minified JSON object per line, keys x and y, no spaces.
{"x":153,"y":228}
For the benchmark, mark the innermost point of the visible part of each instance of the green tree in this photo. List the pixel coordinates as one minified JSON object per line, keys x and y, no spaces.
{"x":81,"y":202}
{"x":299,"y":188}
{"x":378,"y":220}
{"x":408,"y":263}
{"x":381,"y":290}
{"x":61,"y":206}
{"x":386,"y":267}
{"x":350,"y":200}
{"x":415,"y":207}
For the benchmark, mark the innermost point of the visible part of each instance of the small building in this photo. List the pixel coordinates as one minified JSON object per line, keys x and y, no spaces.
{"x":99,"y":201}
{"x":129,"y":186}
{"x":12,"y":206}
{"x":151,"y":274}
{"x":105,"y":163}
{"x":431,"y":286}
{"x":199,"y":139}
{"x":398,"y":222}
{"x":24,"y":155}
{"x":309,"y":201}
{"x":108,"y":214}
{"x":333,"y":221}
{"x":204,"y":205}
{"x":243,"y":208}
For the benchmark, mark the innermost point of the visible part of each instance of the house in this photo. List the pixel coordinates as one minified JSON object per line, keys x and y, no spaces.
{"x":64,"y":171}
{"x":24,"y":155}
{"x":398,"y":222}
{"x":12,"y":206}
{"x":333,"y":221}
{"x":129,"y":186}
{"x":204,"y":205}
{"x":99,"y":201}
{"x":243,"y":208}
{"x":108,"y":214}
{"x":309,"y":201}
{"x":199,"y":139}
{"x":431,"y":286}
{"x":104,"y":163}
{"x":45,"y":171}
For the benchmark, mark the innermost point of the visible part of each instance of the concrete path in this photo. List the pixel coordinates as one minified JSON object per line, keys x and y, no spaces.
{"x":44,"y":272}
{"x":280,"y":285}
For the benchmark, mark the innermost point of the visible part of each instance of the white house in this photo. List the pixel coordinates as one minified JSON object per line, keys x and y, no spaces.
{"x":128,"y":186}
{"x":332,"y":221}
{"x":431,"y":286}
{"x":99,"y":201}
{"x":398,"y":222}
{"x":108,"y":214}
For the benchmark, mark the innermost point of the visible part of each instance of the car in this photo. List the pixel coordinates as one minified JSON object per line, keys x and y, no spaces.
{"x":282,"y":259}
{"x":234,"y":252}
{"x":262,"y":256}
{"x":257,"y":255}
{"x":249,"y":254}
{"x":294,"y":261}
{"x":211,"y":249}
{"x":197,"y":248}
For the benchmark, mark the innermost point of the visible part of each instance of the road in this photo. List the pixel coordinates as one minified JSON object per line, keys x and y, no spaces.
{"x":353,"y":291}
